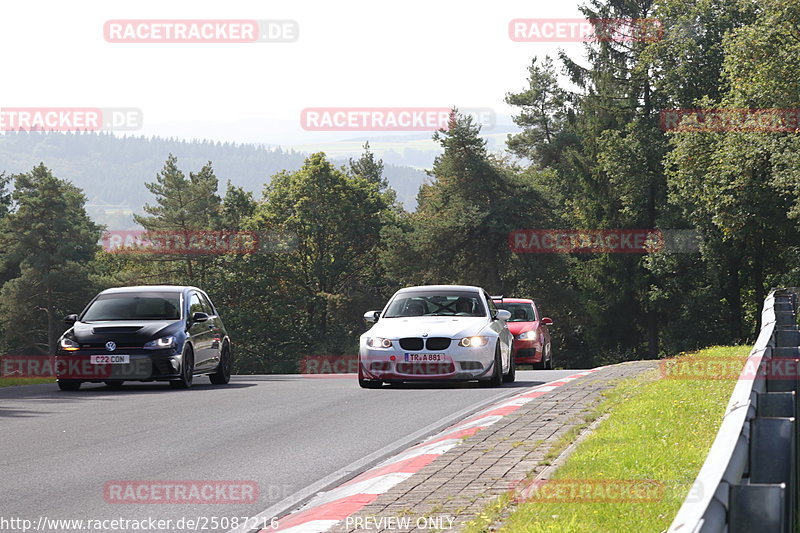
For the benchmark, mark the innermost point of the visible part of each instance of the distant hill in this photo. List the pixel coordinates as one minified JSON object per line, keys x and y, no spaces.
{"x":112,"y":170}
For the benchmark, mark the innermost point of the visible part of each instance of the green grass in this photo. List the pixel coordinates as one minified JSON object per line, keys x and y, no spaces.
{"x":10,"y":382}
{"x":657,"y":429}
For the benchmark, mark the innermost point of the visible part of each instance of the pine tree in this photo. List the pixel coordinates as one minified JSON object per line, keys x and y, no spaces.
{"x":183,"y":208}
{"x":49,"y":241}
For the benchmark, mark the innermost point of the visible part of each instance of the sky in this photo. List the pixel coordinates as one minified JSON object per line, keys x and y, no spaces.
{"x":348,"y":54}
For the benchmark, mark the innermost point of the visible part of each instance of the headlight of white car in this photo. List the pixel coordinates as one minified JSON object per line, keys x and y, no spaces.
{"x":527,"y":336}
{"x":378,"y":342}
{"x":473,"y":342}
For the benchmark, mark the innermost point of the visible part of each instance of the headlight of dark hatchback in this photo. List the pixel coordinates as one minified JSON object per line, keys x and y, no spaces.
{"x":160,"y":344}
{"x":68,"y":344}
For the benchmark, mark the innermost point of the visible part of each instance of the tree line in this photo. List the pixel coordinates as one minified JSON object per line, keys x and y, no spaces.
{"x":592,"y":154}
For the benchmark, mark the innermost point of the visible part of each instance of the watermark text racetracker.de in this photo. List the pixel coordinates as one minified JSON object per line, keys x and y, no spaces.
{"x":195,"y":523}
{"x":181,"y":492}
{"x":328,"y":365}
{"x":389,"y":118}
{"x":192,"y":31}
{"x":730,"y":368}
{"x":764,"y":120}
{"x":593,"y":241}
{"x":588,"y":490}
{"x":70,"y":119}
{"x":579,"y":30}
{"x":86,"y":367}
{"x":197,"y":242}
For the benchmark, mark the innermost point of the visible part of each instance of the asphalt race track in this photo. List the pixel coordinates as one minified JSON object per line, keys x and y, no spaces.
{"x":290,"y":435}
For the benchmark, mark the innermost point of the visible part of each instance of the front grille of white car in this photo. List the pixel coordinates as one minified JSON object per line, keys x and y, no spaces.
{"x":416,"y":343}
{"x":411,"y":343}
{"x":437,"y":343}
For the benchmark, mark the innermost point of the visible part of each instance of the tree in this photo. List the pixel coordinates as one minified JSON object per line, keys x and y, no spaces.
{"x":543,"y":114}
{"x":368,"y":168}
{"x":183,"y":208}
{"x":336,"y":219}
{"x":696,"y":293}
{"x":606,"y":148}
{"x":238,"y":205}
{"x":49,"y":241}
{"x":459,"y":232}
{"x":740,"y":188}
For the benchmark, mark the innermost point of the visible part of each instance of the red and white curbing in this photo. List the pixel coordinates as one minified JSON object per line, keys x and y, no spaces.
{"x":330,"y":508}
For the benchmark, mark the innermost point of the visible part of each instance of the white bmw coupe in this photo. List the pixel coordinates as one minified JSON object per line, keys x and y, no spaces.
{"x":437,"y":333}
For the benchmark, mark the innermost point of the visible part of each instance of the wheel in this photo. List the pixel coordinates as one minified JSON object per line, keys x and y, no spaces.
{"x":187,"y":371}
{"x":512,"y":370}
{"x":541,"y":365}
{"x":549,"y":363}
{"x":497,"y":373}
{"x":223,"y":374}
{"x":116,"y":385}
{"x":69,"y":385}
{"x":367,"y":383}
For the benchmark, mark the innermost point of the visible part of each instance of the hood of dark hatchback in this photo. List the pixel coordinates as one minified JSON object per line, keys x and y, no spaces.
{"x":123,"y":332}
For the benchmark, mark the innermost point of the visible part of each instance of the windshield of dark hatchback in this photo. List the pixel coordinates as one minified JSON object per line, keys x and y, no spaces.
{"x":435,"y":304}
{"x":134,"y":306}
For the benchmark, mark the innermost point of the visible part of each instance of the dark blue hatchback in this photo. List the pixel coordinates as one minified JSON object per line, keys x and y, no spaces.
{"x":145,"y":333}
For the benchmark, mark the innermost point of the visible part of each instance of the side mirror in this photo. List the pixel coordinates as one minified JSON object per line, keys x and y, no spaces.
{"x":372,"y":316}
{"x":503,"y":314}
{"x":70,"y":320}
{"x":197,"y":316}
{"x":547,"y":321}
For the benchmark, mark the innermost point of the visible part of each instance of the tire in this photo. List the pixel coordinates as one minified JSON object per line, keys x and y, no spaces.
{"x":511,"y":376}
{"x":549,"y":363}
{"x":115,"y":385}
{"x":69,"y":385}
{"x":367,"y":383}
{"x":497,"y":374}
{"x":223,"y":374}
{"x":187,"y":371}
{"x":541,"y":365}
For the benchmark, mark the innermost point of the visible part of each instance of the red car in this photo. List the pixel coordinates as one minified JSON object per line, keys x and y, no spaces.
{"x":531,"y":336}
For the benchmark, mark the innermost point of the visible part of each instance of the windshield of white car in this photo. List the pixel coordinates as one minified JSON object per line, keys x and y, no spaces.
{"x":520,"y":312}
{"x":435,"y":304}
{"x":130,"y":306}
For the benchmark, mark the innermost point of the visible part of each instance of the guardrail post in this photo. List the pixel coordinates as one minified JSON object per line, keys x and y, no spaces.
{"x":784,"y":318}
{"x":777,"y":405}
{"x":787,"y":348}
{"x":749,"y":481}
{"x":788,"y":337}
{"x":757,"y":508}
{"x":772,"y":458}
{"x":786,"y":352}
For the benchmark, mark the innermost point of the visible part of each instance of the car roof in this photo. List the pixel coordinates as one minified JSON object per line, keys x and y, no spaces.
{"x":516,"y":300}
{"x":150,"y":288}
{"x":466,"y":288}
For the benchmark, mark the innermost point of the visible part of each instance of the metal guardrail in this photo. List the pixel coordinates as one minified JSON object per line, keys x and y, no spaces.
{"x":749,"y":479}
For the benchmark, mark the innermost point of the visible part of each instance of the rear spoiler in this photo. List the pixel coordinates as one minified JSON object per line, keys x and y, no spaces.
{"x":497,"y":298}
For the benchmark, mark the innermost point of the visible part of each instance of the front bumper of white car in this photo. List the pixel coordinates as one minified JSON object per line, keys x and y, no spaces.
{"x":455,"y":362}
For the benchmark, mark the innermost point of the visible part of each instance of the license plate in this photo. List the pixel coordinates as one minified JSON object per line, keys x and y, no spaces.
{"x":425,"y":358}
{"x":116,"y":359}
